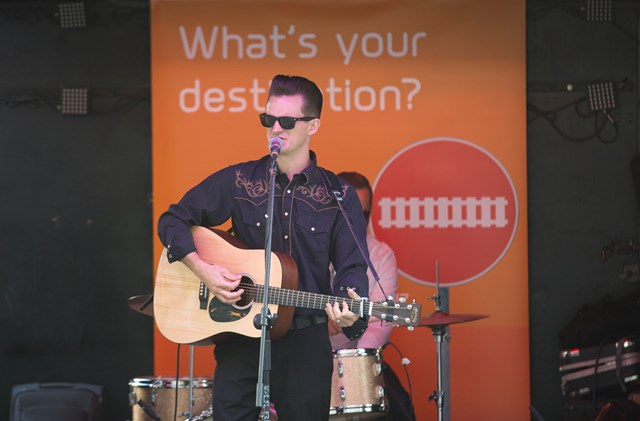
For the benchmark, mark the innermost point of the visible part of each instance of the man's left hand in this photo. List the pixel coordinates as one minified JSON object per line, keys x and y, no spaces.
{"x":340,"y":314}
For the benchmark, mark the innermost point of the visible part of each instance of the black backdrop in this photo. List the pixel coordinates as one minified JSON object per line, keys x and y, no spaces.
{"x":76,"y":230}
{"x":581,"y":188}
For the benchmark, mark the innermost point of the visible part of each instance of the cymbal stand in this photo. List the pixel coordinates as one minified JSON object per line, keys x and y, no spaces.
{"x":440,"y":336}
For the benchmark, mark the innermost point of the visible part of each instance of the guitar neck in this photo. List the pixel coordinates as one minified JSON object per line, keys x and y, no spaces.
{"x":400,"y":314}
{"x":302,"y":299}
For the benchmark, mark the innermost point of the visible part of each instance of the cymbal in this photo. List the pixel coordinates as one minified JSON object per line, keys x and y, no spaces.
{"x":142,"y":304}
{"x":441,"y":319}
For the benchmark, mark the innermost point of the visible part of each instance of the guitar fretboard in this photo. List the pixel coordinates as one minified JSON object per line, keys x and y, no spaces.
{"x":302,"y":299}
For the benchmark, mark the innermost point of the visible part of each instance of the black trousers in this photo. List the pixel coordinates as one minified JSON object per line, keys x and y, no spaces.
{"x":300,"y":380}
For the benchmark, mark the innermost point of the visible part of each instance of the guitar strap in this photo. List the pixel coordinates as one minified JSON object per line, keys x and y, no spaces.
{"x":336,"y":191}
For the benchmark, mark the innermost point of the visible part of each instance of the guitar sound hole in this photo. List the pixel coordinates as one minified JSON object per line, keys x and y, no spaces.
{"x":221,"y":312}
{"x":249,"y":294}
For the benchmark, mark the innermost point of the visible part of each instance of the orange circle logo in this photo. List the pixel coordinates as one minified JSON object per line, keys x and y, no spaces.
{"x":445,"y":200}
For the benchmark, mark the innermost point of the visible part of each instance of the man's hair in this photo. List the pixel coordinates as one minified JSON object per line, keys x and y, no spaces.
{"x":283,"y":85}
{"x":357,"y":181}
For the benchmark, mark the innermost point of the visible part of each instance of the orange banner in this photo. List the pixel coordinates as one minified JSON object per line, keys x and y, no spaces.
{"x":427,"y":99}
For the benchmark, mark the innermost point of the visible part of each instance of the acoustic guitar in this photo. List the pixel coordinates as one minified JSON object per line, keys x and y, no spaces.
{"x":187,"y":312}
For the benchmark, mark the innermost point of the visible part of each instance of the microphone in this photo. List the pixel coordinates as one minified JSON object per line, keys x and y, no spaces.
{"x":275,"y":145}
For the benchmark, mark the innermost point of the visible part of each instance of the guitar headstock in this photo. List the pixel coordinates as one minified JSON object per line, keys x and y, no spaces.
{"x":399,"y":312}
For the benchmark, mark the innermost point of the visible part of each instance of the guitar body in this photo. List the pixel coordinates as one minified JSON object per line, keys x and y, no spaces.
{"x":184,"y":317}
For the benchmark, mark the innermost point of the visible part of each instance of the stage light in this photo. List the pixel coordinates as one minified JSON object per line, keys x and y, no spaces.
{"x":601,"y":96}
{"x":75,"y":101}
{"x":72,"y":15}
{"x":599,"y":10}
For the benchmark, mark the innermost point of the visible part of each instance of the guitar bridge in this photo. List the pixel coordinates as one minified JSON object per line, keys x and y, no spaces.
{"x":203,"y":296}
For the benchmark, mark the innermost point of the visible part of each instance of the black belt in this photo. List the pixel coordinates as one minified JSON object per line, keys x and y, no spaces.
{"x":300,"y":322}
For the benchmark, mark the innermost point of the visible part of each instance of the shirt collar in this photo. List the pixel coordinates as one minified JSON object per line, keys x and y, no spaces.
{"x":312,"y":168}
{"x":308,"y":173}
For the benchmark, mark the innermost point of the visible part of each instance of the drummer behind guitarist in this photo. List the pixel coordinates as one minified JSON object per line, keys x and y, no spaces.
{"x":377,"y":334}
{"x":384,"y":262}
{"x":308,"y":225}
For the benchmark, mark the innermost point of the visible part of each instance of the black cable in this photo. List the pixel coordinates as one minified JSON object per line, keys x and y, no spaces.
{"x":552,"y":115}
{"x":538,"y":9}
{"x":612,"y":123}
{"x":406,"y":372}
{"x":122,"y":105}
{"x":33,"y":101}
{"x":554,"y":111}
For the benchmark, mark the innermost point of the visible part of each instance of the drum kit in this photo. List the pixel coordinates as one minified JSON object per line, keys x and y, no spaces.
{"x":357,"y":390}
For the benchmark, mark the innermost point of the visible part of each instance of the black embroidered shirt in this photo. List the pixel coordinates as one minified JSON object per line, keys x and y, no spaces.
{"x":307,"y":224}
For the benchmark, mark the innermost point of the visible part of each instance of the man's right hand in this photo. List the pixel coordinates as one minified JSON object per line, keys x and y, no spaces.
{"x":217,"y":278}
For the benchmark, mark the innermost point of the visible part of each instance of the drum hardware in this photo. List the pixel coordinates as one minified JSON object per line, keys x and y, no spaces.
{"x":438,"y":321}
{"x":148,"y":410}
{"x":143,"y":304}
{"x":207,"y":414}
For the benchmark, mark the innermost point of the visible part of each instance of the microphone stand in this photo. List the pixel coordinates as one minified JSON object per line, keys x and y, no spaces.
{"x":266,"y":320}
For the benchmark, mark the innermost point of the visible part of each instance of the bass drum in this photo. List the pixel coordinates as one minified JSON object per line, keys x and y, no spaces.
{"x":155,"y":397}
{"x":357,"y":385}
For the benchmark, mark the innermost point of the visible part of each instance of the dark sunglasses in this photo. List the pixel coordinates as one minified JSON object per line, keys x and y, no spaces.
{"x":286,"y":123}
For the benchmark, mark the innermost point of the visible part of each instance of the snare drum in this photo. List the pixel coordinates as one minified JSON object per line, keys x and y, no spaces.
{"x":158,"y":396}
{"x":357,"y":386}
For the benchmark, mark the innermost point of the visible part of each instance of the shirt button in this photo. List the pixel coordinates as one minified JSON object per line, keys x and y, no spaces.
{"x":288,"y":191}
{"x":257,"y":224}
{"x":313,"y":228}
{"x":286,"y":237}
{"x":171,"y":256}
{"x":286,"y":214}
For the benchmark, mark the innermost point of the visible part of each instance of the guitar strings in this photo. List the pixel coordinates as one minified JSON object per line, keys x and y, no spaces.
{"x":281,"y":296}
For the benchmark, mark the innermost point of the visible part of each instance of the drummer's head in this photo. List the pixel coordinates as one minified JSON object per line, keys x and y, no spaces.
{"x":363,"y":188}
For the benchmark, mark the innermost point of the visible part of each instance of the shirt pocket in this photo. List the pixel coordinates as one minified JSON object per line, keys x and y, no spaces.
{"x":254,"y":220}
{"x":314,"y":235}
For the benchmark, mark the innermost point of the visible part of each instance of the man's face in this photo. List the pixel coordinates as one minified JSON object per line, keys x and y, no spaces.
{"x":294,"y":139}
